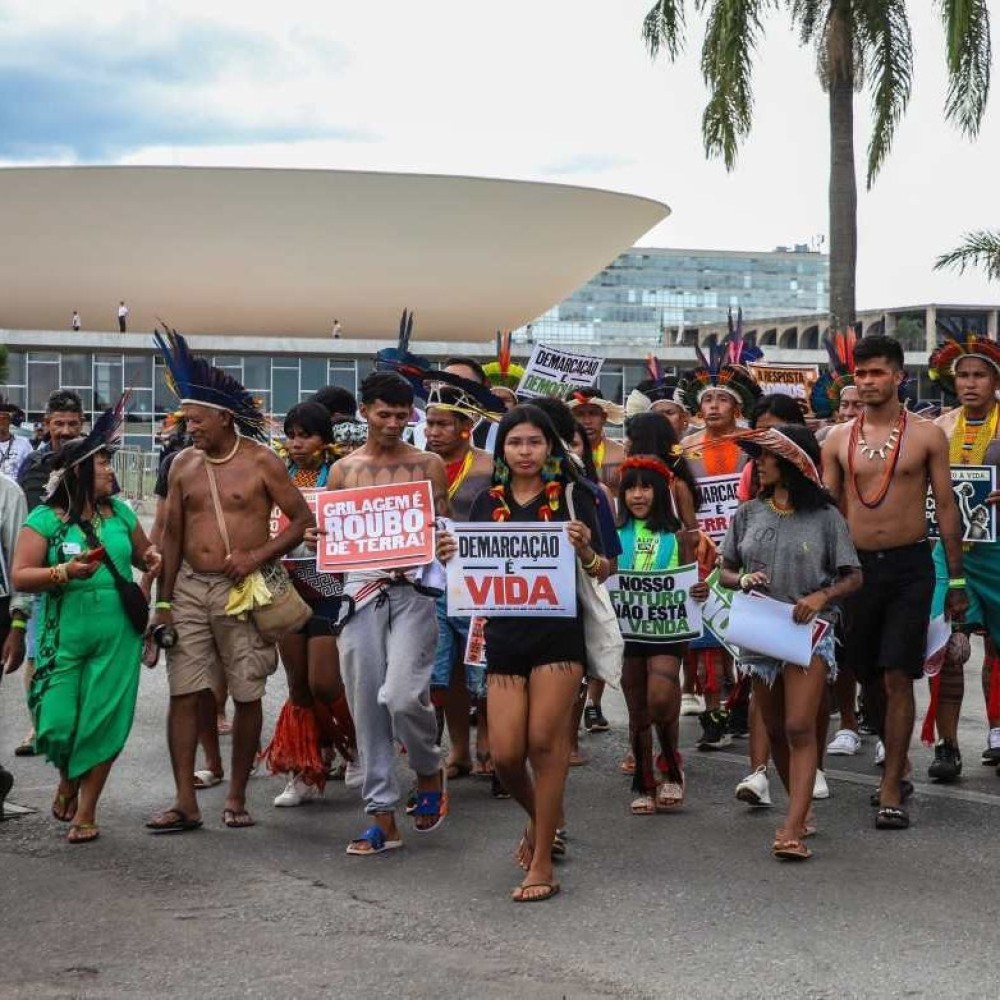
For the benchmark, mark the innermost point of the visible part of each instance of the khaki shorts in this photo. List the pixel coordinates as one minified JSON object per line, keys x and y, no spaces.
{"x":212,"y":646}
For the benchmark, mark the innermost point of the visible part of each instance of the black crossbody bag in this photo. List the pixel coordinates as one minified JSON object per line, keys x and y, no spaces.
{"x":133,"y":599}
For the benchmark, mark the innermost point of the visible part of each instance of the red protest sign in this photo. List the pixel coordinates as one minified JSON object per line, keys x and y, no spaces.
{"x":375,"y":527}
{"x":278,"y":520}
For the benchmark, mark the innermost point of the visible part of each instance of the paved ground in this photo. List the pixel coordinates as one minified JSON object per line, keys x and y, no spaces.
{"x":689,"y":905}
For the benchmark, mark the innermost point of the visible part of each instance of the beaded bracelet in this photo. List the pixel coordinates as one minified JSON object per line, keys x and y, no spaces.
{"x":19,"y":623}
{"x":957,"y":583}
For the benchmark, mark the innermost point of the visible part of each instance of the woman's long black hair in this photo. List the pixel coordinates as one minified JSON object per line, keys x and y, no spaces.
{"x":662,"y":515}
{"x":803,"y":494}
{"x":76,"y":490}
{"x":653,"y":434}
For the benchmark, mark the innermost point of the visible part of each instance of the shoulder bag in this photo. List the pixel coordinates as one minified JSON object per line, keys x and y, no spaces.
{"x":286,"y":611}
{"x":602,"y":636}
{"x":133,"y":599}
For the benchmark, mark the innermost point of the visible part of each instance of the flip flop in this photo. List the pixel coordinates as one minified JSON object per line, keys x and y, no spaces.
{"x":64,"y":807}
{"x":891,"y":818}
{"x":181,"y":822}
{"x":374,"y":837}
{"x":483,"y":768}
{"x":551,"y":889}
{"x":790,"y":850}
{"x":644,"y":805}
{"x":905,"y":791}
{"x":206,"y":779}
{"x":237,"y":819}
{"x":83,"y":833}
{"x":627,"y":765}
{"x":670,"y":796}
{"x":432,"y":804}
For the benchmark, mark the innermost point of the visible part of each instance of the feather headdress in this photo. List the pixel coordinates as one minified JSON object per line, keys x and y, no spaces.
{"x":194,"y":380}
{"x":714,"y":371}
{"x":398,"y":358}
{"x":959,"y":342}
{"x":739,"y":351}
{"x":593,"y":397}
{"x":825,"y":396}
{"x":503,"y":371}
{"x":657,"y":387}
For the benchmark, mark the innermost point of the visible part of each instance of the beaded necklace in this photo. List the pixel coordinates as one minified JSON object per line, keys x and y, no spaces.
{"x":461,"y":472}
{"x":890,"y":466}
{"x":971,"y":438}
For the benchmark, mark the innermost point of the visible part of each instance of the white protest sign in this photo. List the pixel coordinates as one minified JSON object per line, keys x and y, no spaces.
{"x":718,"y":504}
{"x":657,"y":606}
{"x":376,"y":527}
{"x":763,"y":625}
{"x":551,"y":372}
{"x":972,"y":484}
{"x":715,"y":612}
{"x":507,"y":570}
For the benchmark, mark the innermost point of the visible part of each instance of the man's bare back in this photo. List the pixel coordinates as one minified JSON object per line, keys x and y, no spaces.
{"x":249,"y":486}
{"x":901,"y":518}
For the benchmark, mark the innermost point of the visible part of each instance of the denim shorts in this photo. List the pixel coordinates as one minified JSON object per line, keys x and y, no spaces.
{"x":453,"y":634}
{"x":767,"y":669}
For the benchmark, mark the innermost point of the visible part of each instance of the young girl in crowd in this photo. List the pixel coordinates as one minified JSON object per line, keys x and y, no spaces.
{"x":315,"y":718}
{"x":534,"y":666}
{"x":652,"y":539}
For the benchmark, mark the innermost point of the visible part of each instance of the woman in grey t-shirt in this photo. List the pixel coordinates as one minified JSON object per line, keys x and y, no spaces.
{"x":792,"y":544}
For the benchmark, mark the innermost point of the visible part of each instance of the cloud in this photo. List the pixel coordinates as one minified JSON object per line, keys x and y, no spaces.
{"x":97,"y":94}
{"x":587,"y":163}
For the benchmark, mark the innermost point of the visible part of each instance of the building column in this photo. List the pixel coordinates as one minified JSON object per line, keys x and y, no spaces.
{"x":930,"y":328}
{"x":889,"y":321}
{"x":991,"y":324}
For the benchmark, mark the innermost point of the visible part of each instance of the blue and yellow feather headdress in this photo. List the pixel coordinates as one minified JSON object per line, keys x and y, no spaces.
{"x":194,"y":380}
{"x":825,"y":396}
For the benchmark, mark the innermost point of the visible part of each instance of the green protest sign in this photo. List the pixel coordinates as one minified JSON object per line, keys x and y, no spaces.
{"x":657,"y":606}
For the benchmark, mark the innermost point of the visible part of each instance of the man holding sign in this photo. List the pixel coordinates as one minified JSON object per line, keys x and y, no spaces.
{"x":387,"y":644}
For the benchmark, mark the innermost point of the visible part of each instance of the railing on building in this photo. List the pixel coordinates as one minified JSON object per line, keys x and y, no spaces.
{"x":135,"y":471}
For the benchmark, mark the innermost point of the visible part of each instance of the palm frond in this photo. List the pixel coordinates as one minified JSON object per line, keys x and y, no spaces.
{"x":883,"y":31}
{"x":980,"y":250}
{"x":809,"y":15}
{"x":663,"y":28}
{"x":734,"y":27}
{"x":968,"y":54}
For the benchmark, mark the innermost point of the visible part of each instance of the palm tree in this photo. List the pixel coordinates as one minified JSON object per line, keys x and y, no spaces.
{"x":980,"y":249}
{"x":857,"y":42}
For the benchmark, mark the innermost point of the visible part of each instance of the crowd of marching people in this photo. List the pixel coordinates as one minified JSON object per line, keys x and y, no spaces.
{"x":827,"y":524}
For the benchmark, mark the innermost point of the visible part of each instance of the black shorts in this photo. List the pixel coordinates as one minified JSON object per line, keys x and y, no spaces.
{"x":515,"y":646}
{"x":648,"y":649}
{"x":326,"y":612}
{"x":887,"y":618}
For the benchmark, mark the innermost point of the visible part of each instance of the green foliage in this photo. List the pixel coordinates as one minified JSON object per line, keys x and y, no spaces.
{"x":980,"y":249}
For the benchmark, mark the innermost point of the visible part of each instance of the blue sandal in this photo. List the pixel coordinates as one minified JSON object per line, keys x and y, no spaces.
{"x":374,"y":838}
{"x":432,"y":804}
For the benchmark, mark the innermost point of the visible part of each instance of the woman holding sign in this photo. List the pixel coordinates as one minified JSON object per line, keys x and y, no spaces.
{"x":653,"y":541}
{"x":534,"y":665}
{"x":315,"y":718}
{"x":792,"y":544}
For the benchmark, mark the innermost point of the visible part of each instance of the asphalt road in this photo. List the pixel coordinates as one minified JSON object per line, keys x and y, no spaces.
{"x":688,"y":905}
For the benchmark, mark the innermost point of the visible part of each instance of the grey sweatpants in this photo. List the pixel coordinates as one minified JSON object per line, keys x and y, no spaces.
{"x":386,"y":658}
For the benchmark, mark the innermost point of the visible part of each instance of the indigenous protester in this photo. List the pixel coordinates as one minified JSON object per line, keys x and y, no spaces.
{"x":78,"y":548}
{"x":338,"y":402}
{"x":315,"y":719}
{"x":719,"y":391}
{"x":456,"y":686}
{"x":661,"y":394}
{"x":595,"y":413}
{"x":883,"y":456}
{"x":968,"y":367}
{"x":219,"y":563}
{"x":15,"y":608}
{"x":387,"y":642}
{"x":503,"y":375}
{"x":63,"y":423}
{"x":793,"y":544}
{"x":13,"y":449}
{"x":534,"y":665}
{"x":652,"y":539}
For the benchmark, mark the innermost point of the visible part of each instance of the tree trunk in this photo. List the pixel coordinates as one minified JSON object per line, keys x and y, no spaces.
{"x":843,"y":182}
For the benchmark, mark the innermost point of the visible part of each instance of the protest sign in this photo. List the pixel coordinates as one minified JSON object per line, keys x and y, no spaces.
{"x":657,"y":606}
{"x":376,"y":527}
{"x":504,"y":570}
{"x":278,"y":520}
{"x":795,"y":380}
{"x":718,"y":504}
{"x":972,"y":485}
{"x":550,"y":372}
{"x":475,"y":643}
{"x":715,"y":612}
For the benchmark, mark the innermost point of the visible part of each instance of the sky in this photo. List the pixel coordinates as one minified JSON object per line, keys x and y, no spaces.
{"x":541,"y":90}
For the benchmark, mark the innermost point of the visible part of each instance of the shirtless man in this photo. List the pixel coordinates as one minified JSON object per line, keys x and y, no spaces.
{"x":879,"y":467}
{"x":594,"y":412}
{"x":199,"y":570}
{"x":387,"y":645}
{"x":469,"y":470}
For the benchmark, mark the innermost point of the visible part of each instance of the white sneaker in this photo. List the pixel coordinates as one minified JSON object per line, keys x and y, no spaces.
{"x":354,"y":774}
{"x":879,"y":753}
{"x":692,"y":704}
{"x":297,"y":793}
{"x":754,"y":789}
{"x":845,"y":743}
{"x":821,"y":790}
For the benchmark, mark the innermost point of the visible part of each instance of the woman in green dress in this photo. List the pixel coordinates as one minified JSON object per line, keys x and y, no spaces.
{"x":87,"y":665}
